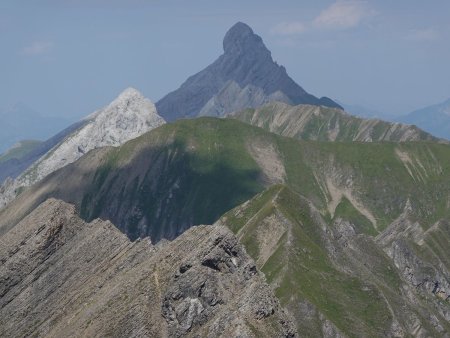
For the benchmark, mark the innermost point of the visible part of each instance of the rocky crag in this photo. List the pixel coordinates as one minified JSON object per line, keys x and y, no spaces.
{"x":61,"y":276}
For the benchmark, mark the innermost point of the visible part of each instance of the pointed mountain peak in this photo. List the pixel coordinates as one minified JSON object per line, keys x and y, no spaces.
{"x":129,"y":93}
{"x":244,"y":76}
{"x":127,"y":101}
{"x":129,"y":96}
{"x":240,"y":39}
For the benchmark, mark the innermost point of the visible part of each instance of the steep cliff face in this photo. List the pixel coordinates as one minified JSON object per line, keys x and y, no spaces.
{"x":244,"y":76}
{"x":306,"y":122}
{"x":61,"y":276}
{"x":128,"y":116}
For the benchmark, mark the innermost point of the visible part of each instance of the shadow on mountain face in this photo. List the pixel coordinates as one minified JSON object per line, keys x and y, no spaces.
{"x":172,"y":191}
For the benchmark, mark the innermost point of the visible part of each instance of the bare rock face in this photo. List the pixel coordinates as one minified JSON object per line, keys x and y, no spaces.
{"x":127,"y":117}
{"x":60,"y":276}
{"x":247,"y":66}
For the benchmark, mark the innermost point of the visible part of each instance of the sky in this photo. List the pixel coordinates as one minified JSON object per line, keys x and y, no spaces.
{"x":68,"y":58}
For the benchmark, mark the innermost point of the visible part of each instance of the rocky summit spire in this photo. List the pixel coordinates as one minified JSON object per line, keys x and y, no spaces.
{"x":245,"y":76}
{"x":240,"y":40}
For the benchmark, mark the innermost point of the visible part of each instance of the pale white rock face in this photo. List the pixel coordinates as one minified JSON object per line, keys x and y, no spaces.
{"x":127,"y":117}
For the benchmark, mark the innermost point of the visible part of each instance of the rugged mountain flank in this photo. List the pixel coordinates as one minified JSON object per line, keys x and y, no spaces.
{"x":306,"y":122}
{"x":352,"y":236}
{"x":127,"y":117}
{"x":244,"y":76}
{"x":336,"y":279}
{"x":61,"y":276}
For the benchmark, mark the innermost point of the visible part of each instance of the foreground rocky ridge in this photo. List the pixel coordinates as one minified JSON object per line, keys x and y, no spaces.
{"x":61,"y":276}
{"x":127,"y":117}
{"x":306,"y":122}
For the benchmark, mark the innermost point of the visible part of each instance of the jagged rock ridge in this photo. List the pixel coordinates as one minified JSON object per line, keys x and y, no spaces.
{"x":127,"y":117}
{"x":62,"y":277}
{"x":244,"y":76}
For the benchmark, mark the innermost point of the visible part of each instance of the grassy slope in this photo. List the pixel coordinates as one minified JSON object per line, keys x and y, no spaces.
{"x":210,"y":159}
{"x":192,"y":171}
{"x":219,"y":165}
{"x":193,"y":176}
{"x":304,"y":270}
{"x":374,"y":174}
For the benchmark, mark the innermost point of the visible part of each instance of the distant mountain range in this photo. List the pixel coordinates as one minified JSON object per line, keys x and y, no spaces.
{"x":434,"y":119}
{"x":20,"y":122}
{"x":19,"y":150}
{"x":19,"y":157}
{"x":244,"y":76}
{"x":365,"y":112}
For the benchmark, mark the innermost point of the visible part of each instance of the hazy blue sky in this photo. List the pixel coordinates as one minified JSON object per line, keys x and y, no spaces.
{"x":69,"y":57}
